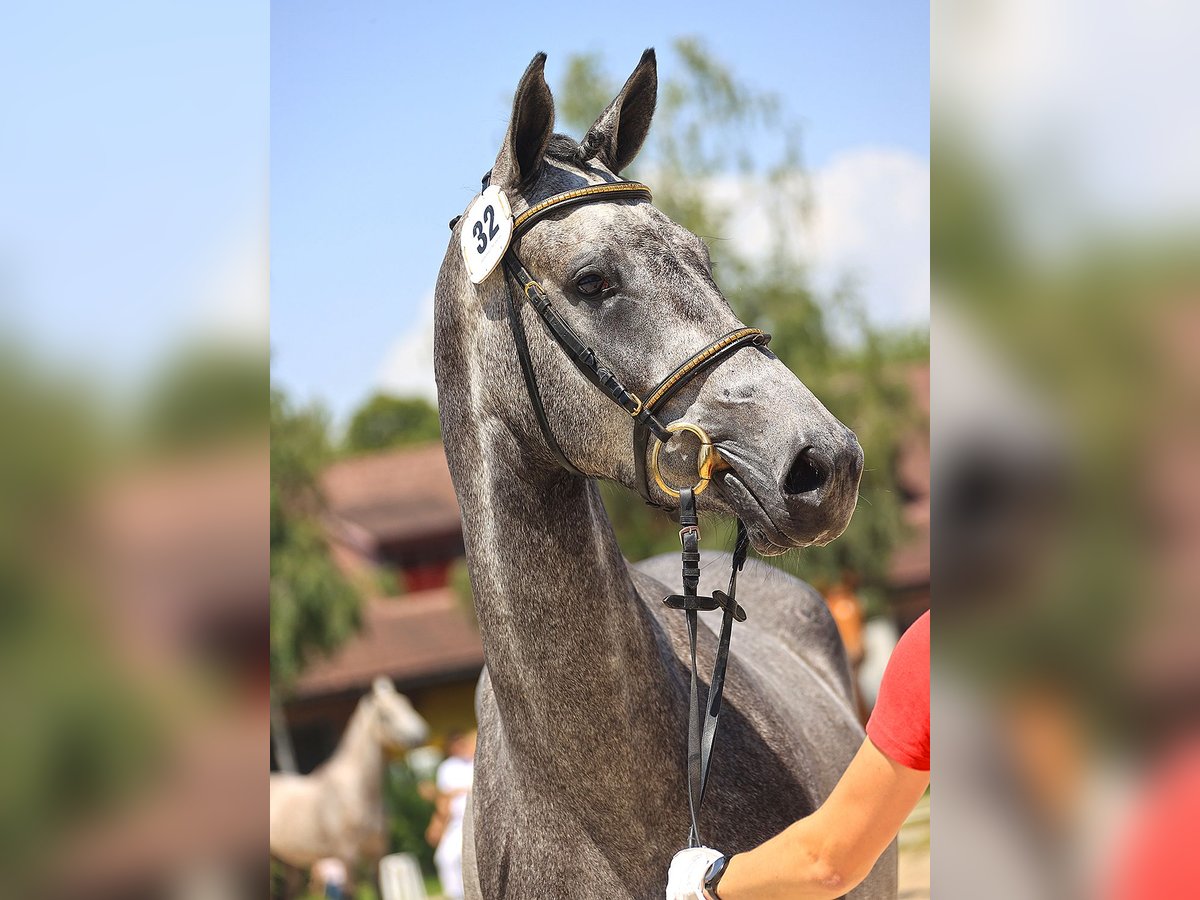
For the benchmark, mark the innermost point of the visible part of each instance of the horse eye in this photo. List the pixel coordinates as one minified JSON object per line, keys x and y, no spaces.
{"x":591,"y":283}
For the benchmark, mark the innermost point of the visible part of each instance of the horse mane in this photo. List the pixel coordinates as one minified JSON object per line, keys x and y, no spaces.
{"x":565,"y":149}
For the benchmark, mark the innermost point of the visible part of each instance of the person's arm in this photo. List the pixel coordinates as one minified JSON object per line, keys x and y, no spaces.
{"x":828,"y":853}
{"x":831,"y":851}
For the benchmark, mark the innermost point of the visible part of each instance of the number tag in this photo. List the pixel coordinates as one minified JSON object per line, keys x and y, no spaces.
{"x":486,"y":230}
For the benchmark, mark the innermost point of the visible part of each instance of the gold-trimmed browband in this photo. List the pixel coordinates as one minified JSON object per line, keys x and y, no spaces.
{"x":580,"y":195}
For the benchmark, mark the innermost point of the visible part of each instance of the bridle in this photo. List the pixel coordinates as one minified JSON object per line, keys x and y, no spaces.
{"x":702,"y":720}
{"x":645,"y":421}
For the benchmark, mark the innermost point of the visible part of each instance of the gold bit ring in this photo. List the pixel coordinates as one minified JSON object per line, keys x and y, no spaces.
{"x":706,"y":461}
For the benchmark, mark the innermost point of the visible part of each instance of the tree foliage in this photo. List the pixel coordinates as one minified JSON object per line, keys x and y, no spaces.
{"x":207,"y":394}
{"x":81,"y":732}
{"x":385,"y":421}
{"x":711,"y":130}
{"x":314,"y":608}
{"x":410,"y":813}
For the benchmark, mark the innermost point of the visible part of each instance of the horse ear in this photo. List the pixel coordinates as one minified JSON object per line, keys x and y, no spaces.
{"x":529,"y":129}
{"x":618,"y":134}
{"x":383,"y":685}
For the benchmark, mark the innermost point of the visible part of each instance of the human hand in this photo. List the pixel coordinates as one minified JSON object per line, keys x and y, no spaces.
{"x":685,"y":880}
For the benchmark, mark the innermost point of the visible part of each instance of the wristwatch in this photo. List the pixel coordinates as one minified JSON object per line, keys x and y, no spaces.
{"x":713,"y":876}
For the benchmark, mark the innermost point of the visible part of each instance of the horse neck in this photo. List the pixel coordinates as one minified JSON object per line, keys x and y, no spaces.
{"x":571,"y":651}
{"x":358,"y":760}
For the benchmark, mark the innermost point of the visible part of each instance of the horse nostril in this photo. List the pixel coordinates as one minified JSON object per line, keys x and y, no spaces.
{"x":809,"y":472}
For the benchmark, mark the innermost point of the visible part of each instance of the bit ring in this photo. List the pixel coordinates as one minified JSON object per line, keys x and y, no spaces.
{"x":706,"y":461}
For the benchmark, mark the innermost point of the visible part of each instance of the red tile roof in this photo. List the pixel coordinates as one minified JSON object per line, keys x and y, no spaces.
{"x":417,"y":637}
{"x":396,"y":495}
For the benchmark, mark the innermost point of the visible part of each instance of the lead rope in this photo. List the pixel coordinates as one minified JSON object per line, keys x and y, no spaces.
{"x":702,"y":718}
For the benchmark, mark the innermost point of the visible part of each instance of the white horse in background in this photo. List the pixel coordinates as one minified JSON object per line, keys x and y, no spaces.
{"x":337,"y":811}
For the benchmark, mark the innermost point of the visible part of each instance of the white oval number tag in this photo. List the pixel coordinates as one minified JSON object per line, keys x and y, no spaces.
{"x":487,"y":229}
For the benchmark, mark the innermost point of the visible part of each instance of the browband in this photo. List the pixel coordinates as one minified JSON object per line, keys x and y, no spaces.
{"x":589,"y":194}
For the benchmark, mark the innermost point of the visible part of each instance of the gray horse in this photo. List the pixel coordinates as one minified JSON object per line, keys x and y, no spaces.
{"x":580,"y":786}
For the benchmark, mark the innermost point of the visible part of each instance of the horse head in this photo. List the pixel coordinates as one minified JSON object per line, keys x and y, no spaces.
{"x":399,"y":726}
{"x":638,"y":288}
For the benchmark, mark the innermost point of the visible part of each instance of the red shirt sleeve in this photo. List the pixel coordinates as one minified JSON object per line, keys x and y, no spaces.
{"x":899,"y":724}
{"x":1158,"y":855}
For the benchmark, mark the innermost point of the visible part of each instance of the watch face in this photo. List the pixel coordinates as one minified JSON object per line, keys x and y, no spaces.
{"x":715,"y":870}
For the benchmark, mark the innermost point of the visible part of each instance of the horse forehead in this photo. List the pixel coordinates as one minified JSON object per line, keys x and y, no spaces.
{"x":621,"y":226}
{"x":632,"y":221}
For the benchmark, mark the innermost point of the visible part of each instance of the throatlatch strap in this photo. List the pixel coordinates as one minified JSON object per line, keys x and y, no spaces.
{"x":531,"y":388}
{"x":582,"y":356}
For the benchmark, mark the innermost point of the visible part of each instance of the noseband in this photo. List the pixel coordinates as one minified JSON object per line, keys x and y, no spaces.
{"x":702,"y":719}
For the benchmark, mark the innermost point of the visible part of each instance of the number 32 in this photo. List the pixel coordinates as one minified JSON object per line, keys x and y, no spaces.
{"x":489,"y":216}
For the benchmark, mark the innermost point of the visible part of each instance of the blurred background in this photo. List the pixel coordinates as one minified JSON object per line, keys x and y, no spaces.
{"x":171,"y":585}
{"x":138,"y":606}
{"x":134,"y":388}
{"x":1066,"y":449}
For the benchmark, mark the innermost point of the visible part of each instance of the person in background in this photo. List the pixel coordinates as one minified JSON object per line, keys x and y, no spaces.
{"x":329,"y":876}
{"x":826,"y":854}
{"x":454,"y":778}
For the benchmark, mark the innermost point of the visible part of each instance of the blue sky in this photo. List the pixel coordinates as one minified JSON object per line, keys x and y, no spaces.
{"x":383,"y":118}
{"x":139,"y":140}
{"x":133,"y":171}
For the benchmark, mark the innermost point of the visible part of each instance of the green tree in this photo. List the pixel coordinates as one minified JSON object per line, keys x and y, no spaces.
{"x":389,"y":421}
{"x":409,"y":815}
{"x":314,"y":608}
{"x":82,"y":735}
{"x":711,"y":127}
{"x":206,"y":394}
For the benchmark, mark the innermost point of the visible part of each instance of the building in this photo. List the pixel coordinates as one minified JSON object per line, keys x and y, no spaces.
{"x":394,"y":527}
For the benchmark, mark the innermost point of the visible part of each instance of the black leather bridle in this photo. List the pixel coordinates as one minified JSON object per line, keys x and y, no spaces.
{"x":584,"y":357}
{"x":702,"y":719}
